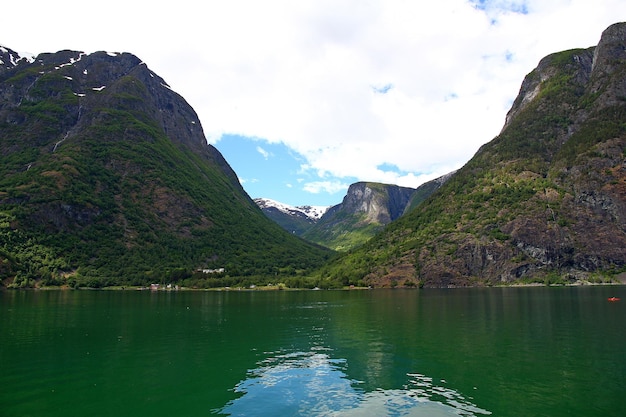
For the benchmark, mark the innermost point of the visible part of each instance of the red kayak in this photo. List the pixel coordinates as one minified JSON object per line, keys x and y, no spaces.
{"x":613,"y":299}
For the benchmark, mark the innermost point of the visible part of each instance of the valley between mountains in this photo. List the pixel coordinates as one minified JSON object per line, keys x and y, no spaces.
{"x":107,"y":180}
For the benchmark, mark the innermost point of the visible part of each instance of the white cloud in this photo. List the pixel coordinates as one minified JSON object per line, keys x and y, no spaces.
{"x":265,"y":154}
{"x":455,"y":70}
{"x":330,"y":187}
{"x":248,"y":180}
{"x":350,"y":85}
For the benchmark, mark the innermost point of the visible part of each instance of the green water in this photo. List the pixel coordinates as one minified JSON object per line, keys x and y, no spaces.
{"x":472,"y":352}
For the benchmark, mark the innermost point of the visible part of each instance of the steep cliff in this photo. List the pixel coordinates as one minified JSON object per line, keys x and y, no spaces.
{"x":365,"y":210}
{"x":544,"y":201}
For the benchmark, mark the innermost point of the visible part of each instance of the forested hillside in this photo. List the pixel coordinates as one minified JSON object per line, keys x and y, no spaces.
{"x":106,"y":178}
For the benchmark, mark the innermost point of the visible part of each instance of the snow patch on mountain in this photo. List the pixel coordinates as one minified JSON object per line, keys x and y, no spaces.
{"x":312,"y":212}
{"x":14,"y":57}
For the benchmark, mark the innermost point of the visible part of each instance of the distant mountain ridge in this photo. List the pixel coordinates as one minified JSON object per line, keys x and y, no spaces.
{"x":544,"y":201}
{"x":366,"y":208}
{"x":106,"y":178}
{"x":311,"y":212}
{"x":294,"y":219}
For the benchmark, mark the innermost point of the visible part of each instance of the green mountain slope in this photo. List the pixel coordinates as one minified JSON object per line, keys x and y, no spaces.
{"x":544,"y":201}
{"x":106,"y":178}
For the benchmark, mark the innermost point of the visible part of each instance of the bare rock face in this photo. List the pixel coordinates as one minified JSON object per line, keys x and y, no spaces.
{"x":366,"y":208}
{"x":380,"y":203}
{"x":610,"y":51}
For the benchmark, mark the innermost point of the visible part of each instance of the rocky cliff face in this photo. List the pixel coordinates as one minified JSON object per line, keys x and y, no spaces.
{"x":379,"y":203}
{"x":366,"y":208}
{"x":544,"y":201}
{"x":586,"y":165}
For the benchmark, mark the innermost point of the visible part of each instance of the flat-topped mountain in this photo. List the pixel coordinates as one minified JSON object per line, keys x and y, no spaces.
{"x":365,"y":210}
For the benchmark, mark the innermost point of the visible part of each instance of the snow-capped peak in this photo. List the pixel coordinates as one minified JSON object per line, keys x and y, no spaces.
{"x":14,"y":57}
{"x":313,"y":212}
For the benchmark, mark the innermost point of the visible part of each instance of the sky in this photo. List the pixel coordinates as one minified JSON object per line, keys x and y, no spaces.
{"x":305,"y":97}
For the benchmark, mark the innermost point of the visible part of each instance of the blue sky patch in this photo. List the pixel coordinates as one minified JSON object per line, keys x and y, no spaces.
{"x":272,"y":170}
{"x":387,"y":167}
{"x":514,"y":6}
{"x":383,"y":89}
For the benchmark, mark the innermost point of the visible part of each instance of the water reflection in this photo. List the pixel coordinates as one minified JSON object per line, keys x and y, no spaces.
{"x":314,"y":384}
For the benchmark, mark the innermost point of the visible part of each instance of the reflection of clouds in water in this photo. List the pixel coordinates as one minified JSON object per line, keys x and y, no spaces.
{"x":313,"y":384}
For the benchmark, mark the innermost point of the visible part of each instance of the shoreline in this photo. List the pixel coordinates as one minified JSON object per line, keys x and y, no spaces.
{"x":263,"y":288}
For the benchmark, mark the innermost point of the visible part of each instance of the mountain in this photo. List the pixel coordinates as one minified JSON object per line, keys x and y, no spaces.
{"x":106,"y":178}
{"x":544,"y":201}
{"x":365,"y":210}
{"x":294,"y":219}
{"x":425,"y":190}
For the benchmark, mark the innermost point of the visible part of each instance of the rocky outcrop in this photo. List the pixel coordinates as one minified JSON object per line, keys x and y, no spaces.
{"x":579,"y":229}
{"x":379,"y":203}
{"x":366,"y":208}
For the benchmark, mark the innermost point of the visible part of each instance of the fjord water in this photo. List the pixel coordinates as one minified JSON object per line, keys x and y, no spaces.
{"x":471,"y":352}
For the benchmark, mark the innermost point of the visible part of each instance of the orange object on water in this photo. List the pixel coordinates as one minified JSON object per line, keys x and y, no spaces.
{"x":613,"y":299}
